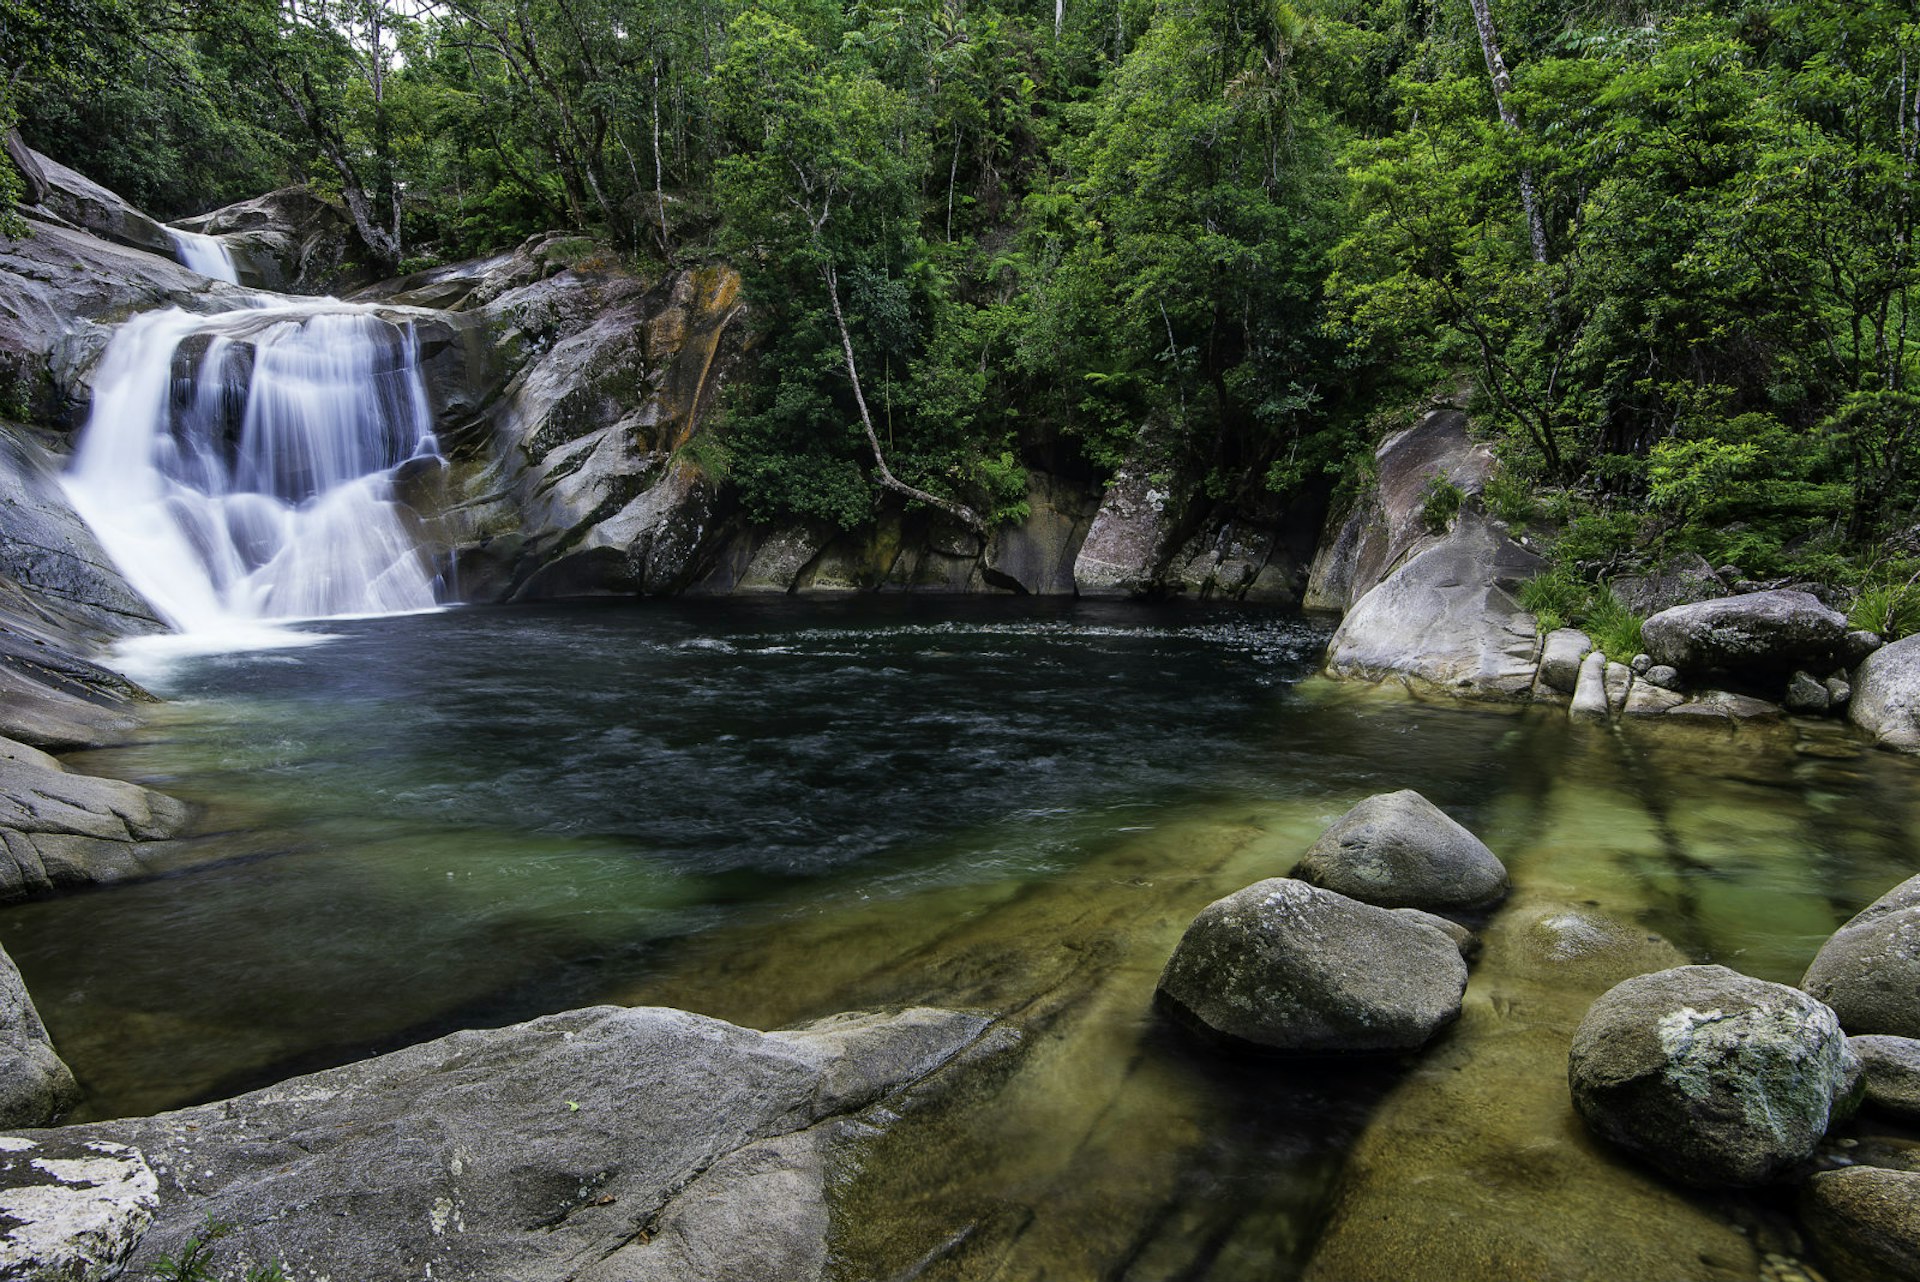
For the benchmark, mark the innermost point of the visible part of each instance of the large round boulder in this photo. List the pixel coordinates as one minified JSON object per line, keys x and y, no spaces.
{"x":1892,"y":1068}
{"x":1867,"y":1221}
{"x":1869,"y":972}
{"x":1291,"y":967}
{"x":1762,"y":634}
{"x":1712,"y":1076}
{"x":1399,"y":850}
{"x":1886,"y":695}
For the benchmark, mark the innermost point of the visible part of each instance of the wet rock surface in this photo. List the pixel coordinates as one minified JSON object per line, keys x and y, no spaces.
{"x":1711,"y":1076}
{"x":1289,"y":967}
{"x":1399,"y":850}
{"x":1867,"y":1220}
{"x":597,"y":1144}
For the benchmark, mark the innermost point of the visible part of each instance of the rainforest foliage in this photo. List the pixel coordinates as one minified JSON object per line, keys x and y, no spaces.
{"x":1669,"y":252}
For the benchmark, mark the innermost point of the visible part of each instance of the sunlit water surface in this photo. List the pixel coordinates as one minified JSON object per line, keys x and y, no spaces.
{"x":772,"y":810}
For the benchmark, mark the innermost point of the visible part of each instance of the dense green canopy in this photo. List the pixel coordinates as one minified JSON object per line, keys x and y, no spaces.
{"x":1670,"y":251}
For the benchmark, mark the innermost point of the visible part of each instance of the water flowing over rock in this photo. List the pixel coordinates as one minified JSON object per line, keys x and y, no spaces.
{"x":1869,"y":972}
{"x":239,"y":467}
{"x":205,"y":254}
{"x":72,"y":1210}
{"x":1399,"y":850}
{"x":1711,"y":1076}
{"x":1290,"y":967}
{"x":599,"y":1145}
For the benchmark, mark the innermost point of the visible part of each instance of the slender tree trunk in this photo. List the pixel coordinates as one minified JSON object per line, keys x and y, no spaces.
{"x":959,"y":511}
{"x":1059,"y":17}
{"x":1502,"y":82}
{"x":659,"y":172}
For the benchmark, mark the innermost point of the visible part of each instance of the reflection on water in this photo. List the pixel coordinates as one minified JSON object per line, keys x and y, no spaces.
{"x":769,"y":811}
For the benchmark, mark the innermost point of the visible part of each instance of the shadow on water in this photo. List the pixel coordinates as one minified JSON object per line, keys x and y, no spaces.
{"x":773,"y":811}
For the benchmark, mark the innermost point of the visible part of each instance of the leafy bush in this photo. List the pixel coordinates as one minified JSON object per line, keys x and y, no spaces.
{"x":1440,"y":503}
{"x":1891,"y":609}
{"x":1614,"y":628}
{"x":195,"y":1262}
{"x":1510,"y":499}
{"x":1554,"y":599}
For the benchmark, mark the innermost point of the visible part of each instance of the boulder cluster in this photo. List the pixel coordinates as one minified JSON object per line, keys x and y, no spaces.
{"x":1348,"y":954}
{"x":1721,"y":1080}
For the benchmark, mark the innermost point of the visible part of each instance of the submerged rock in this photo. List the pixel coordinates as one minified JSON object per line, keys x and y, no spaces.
{"x":1713,"y":1077}
{"x":597,"y":1145}
{"x":1290,"y":967}
{"x":1869,"y":972}
{"x":1886,"y":695}
{"x":1867,"y":1220}
{"x":1399,"y":850}
{"x":72,"y":1210}
{"x":1892,"y":1068}
{"x":35,"y":1085}
{"x":1761,"y":634}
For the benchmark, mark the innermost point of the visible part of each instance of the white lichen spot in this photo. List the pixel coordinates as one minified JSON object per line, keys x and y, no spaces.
{"x":440,"y":1216}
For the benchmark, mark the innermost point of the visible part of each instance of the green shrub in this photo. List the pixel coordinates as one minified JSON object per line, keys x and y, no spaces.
{"x":195,"y":1262}
{"x":1554,"y":599}
{"x":1891,"y":609}
{"x":1614,"y":628}
{"x":1510,"y":499}
{"x":1440,"y":503}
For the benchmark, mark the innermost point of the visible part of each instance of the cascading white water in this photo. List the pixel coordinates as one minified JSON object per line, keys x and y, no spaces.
{"x":238,"y":467}
{"x":205,"y":254}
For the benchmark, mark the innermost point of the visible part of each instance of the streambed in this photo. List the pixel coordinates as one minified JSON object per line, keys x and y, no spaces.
{"x":769,"y":810}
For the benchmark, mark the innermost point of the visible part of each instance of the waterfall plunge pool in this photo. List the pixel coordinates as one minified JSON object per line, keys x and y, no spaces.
{"x":771,"y":810}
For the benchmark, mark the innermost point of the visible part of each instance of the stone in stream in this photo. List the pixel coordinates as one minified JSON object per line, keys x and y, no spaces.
{"x":1711,"y":1076}
{"x":1869,"y":972}
{"x":60,"y":829}
{"x":1807,"y":694}
{"x":1892,"y":1068}
{"x":600,"y":1145}
{"x":1886,"y":695}
{"x":1757,"y":635}
{"x":35,"y":1086}
{"x":1665,"y":677}
{"x":1290,"y":967}
{"x":1867,"y":1220}
{"x":1590,"y":692}
{"x":1560,"y":656}
{"x":72,"y":1210}
{"x":1399,"y":850}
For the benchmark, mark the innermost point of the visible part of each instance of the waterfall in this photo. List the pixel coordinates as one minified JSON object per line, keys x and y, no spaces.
{"x":239,"y":467}
{"x":207,"y":255}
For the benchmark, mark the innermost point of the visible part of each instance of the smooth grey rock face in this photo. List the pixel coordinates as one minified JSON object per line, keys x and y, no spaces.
{"x":1590,"y":689}
{"x":1867,"y":1219}
{"x":1711,"y":1076}
{"x":1447,"y":618}
{"x":1290,"y":967}
{"x":1886,"y":695}
{"x":1132,"y":532}
{"x":1869,"y":972}
{"x":72,"y":1210}
{"x":35,"y":1085}
{"x":1388,"y":525}
{"x":604,"y":1143}
{"x":59,"y":829}
{"x":1036,"y":557}
{"x":1560,"y":656}
{"x":1759,"y":634}
{"x":1892,"y":1068}
{"x":1399,"y":850}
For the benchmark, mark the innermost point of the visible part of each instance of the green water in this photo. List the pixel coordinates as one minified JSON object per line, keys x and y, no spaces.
{"x":772,"y":811}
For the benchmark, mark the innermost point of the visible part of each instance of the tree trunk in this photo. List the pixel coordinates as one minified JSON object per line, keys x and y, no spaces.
{"x":959,"y":511}
{"x":1502,"y":82}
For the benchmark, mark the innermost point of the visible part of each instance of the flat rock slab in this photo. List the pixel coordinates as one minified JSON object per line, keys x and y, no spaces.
{"x":71,"y":1209}
{"x":596,"y":1144}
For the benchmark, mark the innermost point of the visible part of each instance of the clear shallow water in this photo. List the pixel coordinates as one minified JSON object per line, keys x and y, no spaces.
{"x":773,"y":810}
